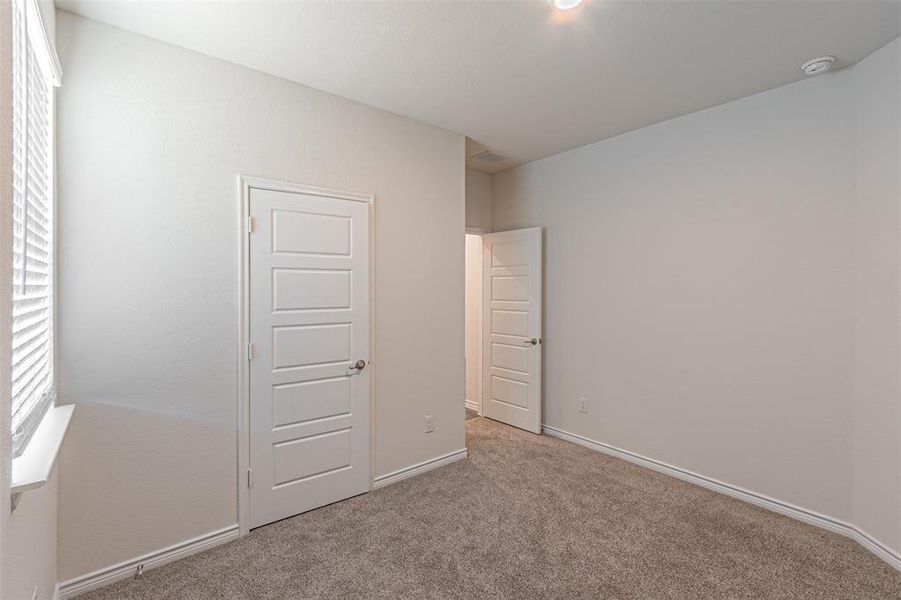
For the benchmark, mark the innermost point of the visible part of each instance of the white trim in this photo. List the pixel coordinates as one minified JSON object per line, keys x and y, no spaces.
{"x":262,"y":183}
{"x":37,"y":40}
{"x":245,"y":184}
{"x":476,"y":404}
{"x":784,"y":508}
{"x":372,"y":337}
{"x":243,"y":378}
{"x":878,"y":548}
{"x":32,"y":469}
{"x":35,"y":18}
{"x":419,"y":468}
{"x":101,"y":577}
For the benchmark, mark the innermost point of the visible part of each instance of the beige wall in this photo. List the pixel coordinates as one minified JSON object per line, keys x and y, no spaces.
{"x":478,"y":200}
{"x":725,"y":272}
{"x":28,"y":536}
{"x":877,"y":332}
{"x":702,"y":266}
{"x":151,"y":138}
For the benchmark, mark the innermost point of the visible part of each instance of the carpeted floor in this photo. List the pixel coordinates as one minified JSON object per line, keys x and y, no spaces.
{"x":528,"y":517}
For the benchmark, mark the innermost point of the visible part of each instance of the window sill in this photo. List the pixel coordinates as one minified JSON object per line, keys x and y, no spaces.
{"x":32,"y":469}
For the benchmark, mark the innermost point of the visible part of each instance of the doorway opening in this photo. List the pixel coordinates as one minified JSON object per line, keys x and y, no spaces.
{"x":473,"y":310}
{"x":503,"y":294}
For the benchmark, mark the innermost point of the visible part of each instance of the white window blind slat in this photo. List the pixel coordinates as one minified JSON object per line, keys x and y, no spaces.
{"x":32,"y":318}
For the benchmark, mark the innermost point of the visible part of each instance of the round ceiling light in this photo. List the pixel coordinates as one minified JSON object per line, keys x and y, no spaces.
{"x":564,"y":4}
{"x":816,"y":66}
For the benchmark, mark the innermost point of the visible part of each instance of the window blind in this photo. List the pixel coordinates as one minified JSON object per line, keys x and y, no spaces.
{"x":32,"y":285}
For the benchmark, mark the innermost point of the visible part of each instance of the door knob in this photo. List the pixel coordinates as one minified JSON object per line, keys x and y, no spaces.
{"x":532,"y":341}
{"x":359,"y":365}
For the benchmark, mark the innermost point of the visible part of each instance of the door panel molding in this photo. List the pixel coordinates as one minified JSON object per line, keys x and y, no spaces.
{"x":245,"y":184}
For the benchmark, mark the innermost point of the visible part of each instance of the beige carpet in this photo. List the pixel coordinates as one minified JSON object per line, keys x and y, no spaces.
{"x":528,"y":517}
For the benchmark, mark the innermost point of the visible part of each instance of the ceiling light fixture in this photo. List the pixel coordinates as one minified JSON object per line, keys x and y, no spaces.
{"x":489,"y":156}
{"x":564,"y":4}
{"x":817,"y":66}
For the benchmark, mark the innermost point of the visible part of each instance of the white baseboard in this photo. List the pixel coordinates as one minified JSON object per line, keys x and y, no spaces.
{"x":101,"y":577}
{"x":810,"y":517}
{"x":878,"y":548}
{"x":123,"y":570}
{"x":471,"y":405}
{"x":418,"y":469}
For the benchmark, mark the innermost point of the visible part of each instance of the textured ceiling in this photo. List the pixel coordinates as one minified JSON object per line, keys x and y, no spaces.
{"x":518,"y":77}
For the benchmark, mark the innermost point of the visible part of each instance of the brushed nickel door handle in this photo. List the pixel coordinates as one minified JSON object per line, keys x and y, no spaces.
{"x":359,"y":365}
{"x":532,"y":342}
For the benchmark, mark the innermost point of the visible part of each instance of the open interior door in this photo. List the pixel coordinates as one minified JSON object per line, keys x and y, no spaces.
{"x":511,"y":368}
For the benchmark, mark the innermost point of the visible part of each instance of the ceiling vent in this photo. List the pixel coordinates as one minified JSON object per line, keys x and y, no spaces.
{"x":489,"y":156}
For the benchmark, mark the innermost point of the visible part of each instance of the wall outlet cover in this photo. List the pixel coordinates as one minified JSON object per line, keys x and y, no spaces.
{"x":429,"y":423}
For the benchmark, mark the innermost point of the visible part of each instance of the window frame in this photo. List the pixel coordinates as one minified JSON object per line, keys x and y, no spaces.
{"x":30,"y":34}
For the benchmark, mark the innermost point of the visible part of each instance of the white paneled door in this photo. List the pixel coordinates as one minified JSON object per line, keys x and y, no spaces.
{"x":511,"y":374}
{"x":309,"y":332}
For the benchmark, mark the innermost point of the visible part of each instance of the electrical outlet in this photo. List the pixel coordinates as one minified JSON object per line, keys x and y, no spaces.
{"x":583,"y":405}
{"x":429,"y":423}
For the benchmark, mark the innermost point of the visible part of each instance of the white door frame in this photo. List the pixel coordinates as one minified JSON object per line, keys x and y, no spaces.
{"x":245,"y":184}
{"x":477,"y":401}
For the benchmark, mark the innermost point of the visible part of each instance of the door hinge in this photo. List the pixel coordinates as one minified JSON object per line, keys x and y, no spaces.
{"x":250,"y":478}
{"x":249,"y":351}
{"x":249,"y":224}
